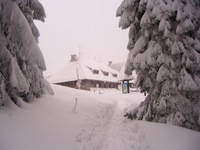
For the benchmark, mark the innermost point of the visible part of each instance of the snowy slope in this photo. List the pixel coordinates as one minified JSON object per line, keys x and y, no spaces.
{"x":50,"y":123}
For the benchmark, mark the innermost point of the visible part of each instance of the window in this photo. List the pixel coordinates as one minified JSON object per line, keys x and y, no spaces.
{"x":105,"y":73}
{"x":94,"y":71}
{"x":114,"y":75}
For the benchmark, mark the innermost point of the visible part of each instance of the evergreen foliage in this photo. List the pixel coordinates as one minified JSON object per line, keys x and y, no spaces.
{"x":21,"y":61}
{"x":164,"y":46}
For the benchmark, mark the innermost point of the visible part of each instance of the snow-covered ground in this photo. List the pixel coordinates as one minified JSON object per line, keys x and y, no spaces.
{"x":97,"y":123}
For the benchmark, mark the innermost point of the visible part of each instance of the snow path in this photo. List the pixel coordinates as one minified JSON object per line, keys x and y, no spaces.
{"x":112,"y":131}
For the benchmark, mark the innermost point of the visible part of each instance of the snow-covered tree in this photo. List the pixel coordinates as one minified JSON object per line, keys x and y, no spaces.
{"x":164,"y":47}
{"x":21,"y":61}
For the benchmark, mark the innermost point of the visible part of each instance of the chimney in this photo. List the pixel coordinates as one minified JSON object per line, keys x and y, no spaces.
{"x":74,"y":58}
{"x":109,"y":63}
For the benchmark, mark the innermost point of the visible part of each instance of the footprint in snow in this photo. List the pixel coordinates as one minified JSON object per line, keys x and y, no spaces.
{"x":110,"y":130}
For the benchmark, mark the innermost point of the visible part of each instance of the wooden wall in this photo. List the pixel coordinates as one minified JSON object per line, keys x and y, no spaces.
{"x":87,"y":84}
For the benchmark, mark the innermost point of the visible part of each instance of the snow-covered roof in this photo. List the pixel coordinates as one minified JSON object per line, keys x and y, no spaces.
{"x":123,"y":76}
{"x":84,"y":69}
{"x":117,"y":66}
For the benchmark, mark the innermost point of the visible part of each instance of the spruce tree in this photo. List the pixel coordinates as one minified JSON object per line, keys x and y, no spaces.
{"x":164,"y":46}
{"x":21,"y":60}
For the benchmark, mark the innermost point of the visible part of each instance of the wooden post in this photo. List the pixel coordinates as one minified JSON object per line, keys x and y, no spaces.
{"x":76,"y":101}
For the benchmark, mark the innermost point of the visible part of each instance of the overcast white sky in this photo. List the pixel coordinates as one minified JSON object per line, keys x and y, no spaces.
{"x":86,"y":27}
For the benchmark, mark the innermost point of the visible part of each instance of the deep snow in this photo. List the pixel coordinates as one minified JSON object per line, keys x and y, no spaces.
{"x":51,"y":123}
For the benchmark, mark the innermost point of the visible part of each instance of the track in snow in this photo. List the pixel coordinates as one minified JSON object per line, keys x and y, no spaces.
{"x":112,"y":131}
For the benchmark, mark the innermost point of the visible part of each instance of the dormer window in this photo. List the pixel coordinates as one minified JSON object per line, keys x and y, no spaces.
{"x":114,"y":75}
{"x":105,"y":73}
{"x":94,"y":71}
